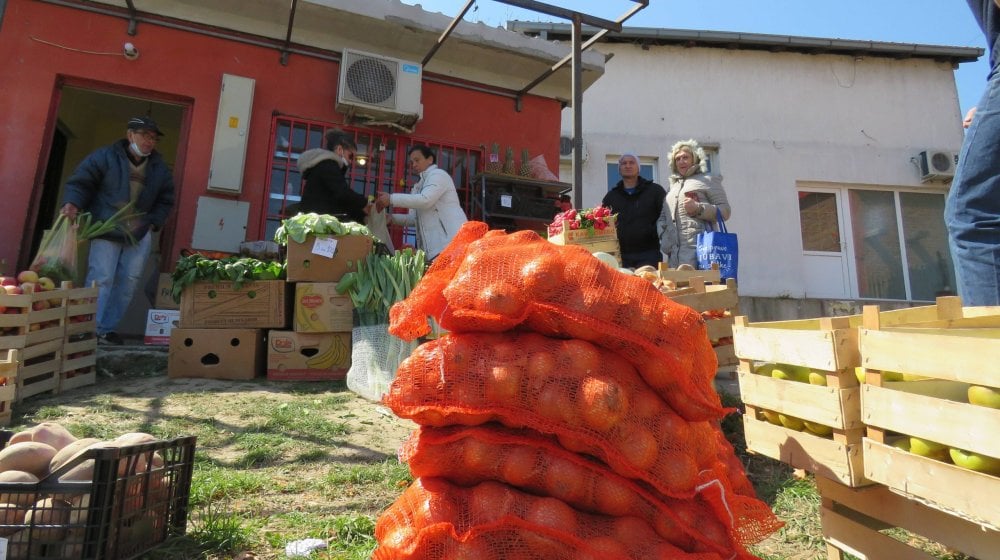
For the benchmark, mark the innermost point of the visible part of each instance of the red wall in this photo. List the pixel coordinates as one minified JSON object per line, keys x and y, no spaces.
{"x":185,"y":66}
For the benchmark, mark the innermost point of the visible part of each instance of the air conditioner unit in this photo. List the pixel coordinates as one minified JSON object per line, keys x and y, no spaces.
{"x":380,"y":87}
{"x":566,"y":149}
{"x":937,"y":165}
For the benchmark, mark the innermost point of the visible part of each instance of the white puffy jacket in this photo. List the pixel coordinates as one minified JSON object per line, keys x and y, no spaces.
{"x":434,"y":210}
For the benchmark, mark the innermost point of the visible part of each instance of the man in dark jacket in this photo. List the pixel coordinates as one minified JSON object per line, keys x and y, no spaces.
{"x":325,"y":189}
{"x":128,"y":171}
{"x":638,"y":202}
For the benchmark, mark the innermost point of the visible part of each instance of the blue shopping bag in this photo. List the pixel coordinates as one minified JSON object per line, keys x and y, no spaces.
{"x":718,"y":247}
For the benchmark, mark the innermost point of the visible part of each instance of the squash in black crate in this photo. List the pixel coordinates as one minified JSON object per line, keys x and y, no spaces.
{"x":110,"y":500}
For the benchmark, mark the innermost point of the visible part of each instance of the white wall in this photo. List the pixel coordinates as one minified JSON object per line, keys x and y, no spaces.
{"x":778,"y":118}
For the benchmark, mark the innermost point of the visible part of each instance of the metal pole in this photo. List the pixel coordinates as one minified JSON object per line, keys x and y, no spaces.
{"x":577,"y":112}
{"x":447,"y":32}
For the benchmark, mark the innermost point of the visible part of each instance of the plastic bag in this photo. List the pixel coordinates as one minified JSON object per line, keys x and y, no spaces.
{"x":57,"y":255}
{"x":540,"y":170}
{"x":377,"y":222}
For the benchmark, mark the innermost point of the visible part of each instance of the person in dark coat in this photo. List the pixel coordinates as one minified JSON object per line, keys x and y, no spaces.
{"x":638,"y":203}
{"x":325,"y":189}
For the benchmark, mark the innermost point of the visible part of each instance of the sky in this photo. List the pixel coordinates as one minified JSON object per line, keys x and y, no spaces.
{"x":929,"y":22}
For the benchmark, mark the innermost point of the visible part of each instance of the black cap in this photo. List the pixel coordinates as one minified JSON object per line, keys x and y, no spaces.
{"x":143,"y":123}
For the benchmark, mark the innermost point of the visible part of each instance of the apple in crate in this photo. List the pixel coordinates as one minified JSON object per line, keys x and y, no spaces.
{"x":13,"y":289}
{"x":929,"y":449}
{"x":984,"y":396}
{"x":8,"y":281}
{"x":975,"y":461}
{"x":27,"y":276}
{"x":45,"y":283}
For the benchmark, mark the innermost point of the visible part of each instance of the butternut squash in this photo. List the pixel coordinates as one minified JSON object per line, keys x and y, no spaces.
{"x":29,"y":456}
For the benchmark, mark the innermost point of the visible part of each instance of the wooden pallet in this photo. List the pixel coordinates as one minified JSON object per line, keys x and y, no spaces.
{"x":852,"y":519}
{"x":828,"y":346}
{"x":951,"y":354}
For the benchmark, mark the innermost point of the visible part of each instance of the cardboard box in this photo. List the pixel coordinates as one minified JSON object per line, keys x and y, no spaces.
{"x":325,"y":258}
{"x":216,"y":353}
{"x":159,"y":323}
{"x":163,"y":298}
{"x":293,"y":356}
{"x":221,"y":305}
{"x":319,"y":308}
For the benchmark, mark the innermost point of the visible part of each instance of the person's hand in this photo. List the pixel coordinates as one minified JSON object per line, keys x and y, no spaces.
{"x":691,"y":206}
{"x":967,"y":121}
{"x":383,"y":201}
{"x":70,"y":211}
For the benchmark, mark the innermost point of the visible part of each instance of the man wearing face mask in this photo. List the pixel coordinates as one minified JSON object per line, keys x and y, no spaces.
{"x":130,"y":170}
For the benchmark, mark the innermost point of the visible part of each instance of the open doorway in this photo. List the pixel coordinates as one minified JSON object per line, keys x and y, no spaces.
{"x":87,"y":119}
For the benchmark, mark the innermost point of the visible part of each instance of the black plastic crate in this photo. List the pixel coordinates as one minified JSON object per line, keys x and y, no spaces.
{"x":135,"y":499}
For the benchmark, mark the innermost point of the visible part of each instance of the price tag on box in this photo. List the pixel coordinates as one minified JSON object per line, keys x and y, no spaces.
{"x":325,"y":247}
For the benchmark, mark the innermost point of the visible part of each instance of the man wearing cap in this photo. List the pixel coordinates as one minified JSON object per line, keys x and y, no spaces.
{"x":638,"y":202}
{"x":130,"y":170}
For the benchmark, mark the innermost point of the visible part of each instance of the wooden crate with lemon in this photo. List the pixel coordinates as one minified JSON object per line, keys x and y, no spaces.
{"x":799,"y":381}
{"x":931,"y":404}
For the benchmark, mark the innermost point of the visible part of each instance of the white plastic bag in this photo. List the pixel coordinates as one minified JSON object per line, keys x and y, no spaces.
{"x":377,"y":222}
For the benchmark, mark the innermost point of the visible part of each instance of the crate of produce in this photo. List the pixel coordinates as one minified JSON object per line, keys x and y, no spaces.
{"x":79,"y":354}
{"x":677,"y":278}
{"x":719,"y":305}
{"x":854,"y":522}
{"x":114,"y":502}
{"x":8,"y":384}
{"x":931,"y":403}
{"x":799,"y":382}
{"x":32,"y":317}
{"x":261,"y":304}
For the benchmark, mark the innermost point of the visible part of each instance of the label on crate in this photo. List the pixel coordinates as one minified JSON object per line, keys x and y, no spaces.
{"x":507,"y":201}
{"x":325,"y":247}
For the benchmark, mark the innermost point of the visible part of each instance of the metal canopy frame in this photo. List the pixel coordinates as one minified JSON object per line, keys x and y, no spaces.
{"x":576,"y":57}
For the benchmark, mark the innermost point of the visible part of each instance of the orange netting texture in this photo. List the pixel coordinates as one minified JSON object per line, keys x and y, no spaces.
{"x":569,"y":413}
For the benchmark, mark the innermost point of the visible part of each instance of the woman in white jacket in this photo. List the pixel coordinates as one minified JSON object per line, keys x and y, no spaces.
{"x":434,"y":206}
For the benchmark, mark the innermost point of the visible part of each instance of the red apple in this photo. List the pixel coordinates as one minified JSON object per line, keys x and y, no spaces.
{"x":8,"y":281}
{"x":13,"y":289}
{"x":27,"y":276}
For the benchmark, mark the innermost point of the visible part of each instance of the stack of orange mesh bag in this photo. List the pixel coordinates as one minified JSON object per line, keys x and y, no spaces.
{"x":569,"y":413}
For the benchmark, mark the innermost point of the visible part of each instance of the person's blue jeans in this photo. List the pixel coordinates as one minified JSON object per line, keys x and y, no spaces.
{"x":972,"y":209}
{"x":117,"y":269}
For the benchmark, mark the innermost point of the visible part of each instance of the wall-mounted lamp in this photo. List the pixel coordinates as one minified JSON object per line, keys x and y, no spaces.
{"x":361,"y":159}
{"x":130,"y":51}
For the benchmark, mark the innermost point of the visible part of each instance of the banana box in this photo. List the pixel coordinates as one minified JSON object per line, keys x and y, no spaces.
{"x":293,"y":356}
{"x":320,"y":309}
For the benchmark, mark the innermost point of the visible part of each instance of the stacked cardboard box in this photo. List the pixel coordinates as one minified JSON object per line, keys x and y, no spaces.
{"x":222,"y":328}
{"x":319,"y":346}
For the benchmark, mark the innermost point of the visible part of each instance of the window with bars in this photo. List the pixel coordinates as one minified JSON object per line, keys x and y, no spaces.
{"x":380,"y":166}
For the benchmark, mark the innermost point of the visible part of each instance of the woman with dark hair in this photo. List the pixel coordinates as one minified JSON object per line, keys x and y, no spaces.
{"x":433,"y":202}
{"x":325,"y":189}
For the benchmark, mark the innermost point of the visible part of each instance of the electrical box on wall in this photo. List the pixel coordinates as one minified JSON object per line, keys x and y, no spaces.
{"x":232,"y":125}
{"x":220,"y":224}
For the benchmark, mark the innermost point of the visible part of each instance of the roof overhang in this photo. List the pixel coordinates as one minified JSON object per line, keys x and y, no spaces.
{"x":755,"y":41}
{"x":474,"y":52}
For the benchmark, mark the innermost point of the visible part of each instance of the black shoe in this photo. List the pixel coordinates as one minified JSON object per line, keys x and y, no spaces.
{"x":109,"y":339}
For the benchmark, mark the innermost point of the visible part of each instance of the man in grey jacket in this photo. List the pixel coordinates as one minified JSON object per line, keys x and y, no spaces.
{"x":130,"y":170}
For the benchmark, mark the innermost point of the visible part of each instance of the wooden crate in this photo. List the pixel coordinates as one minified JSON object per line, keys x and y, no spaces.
{"x":828,"y":346}
{"x":951,"y":354}
{"x":40,"y":317}
{"x":605,"y":241}
{"x":9,"y":360}
{"x":682,"y":278}
{"x":39,"y":369}
{"x":852,"y":518}
{"x":79,"y":367}
{"x":719,"y":305}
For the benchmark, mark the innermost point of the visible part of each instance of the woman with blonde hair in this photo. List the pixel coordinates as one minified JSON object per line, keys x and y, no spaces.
{"x":695,"y":200}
